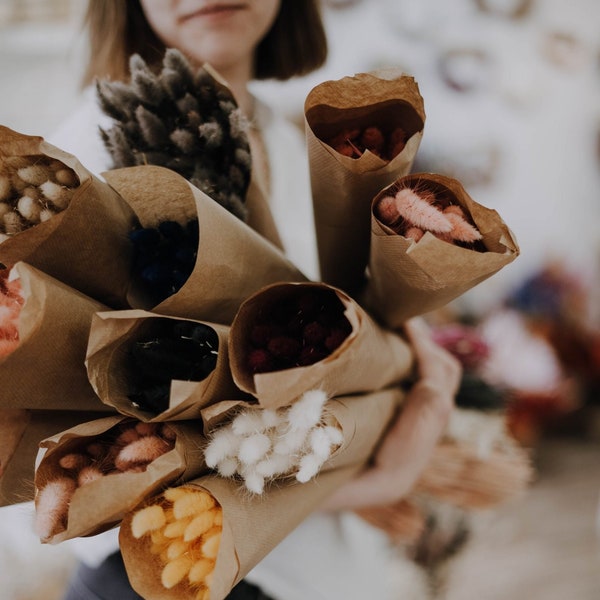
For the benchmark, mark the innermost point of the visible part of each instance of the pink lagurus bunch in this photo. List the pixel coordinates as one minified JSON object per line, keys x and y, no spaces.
{"x":128,"y":448}
{"x":11,"y":302}
{"x":411,"y":212}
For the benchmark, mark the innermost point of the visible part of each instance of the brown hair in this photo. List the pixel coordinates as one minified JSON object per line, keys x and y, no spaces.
{"x":295,"y":45}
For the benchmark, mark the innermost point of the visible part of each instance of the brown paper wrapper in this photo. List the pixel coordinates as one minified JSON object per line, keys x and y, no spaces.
{"x":369,"y":359}
{"x":101,"y":504}
{"x":111,"y":336}
{"x":46,"y":371}
{"x":20,"y":433}
{"x":233,"y":260}
{"x":86,"y":245}
{"x":254,"y":525}
{"x":260,"y":217}
{"x":343,"y":187}
{"x":408,"y":279}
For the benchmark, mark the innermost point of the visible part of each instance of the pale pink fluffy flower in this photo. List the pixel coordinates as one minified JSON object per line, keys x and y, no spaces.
{"x":414,"y":233}
{"x":386,"y":211}
{"x":417,"y":210}
{"x":74,"y":461}
{"x":11,"y":302}
{"x":141,"y":452}
{"x":89,"y":474}
{"x":52,"y":507}
{"x":462,"y":230}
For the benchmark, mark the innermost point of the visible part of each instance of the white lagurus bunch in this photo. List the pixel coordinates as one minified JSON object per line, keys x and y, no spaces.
{"x":260,"y":444}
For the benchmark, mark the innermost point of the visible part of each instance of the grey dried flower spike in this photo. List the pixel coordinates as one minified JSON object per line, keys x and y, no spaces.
{"x":181,"y":119}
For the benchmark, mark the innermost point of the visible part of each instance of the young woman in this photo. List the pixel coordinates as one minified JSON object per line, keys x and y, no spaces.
{"x":333,"y":554}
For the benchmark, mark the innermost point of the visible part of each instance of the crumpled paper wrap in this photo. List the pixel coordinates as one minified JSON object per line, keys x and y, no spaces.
{"x":254,"y":525}
{"x":101,"y":504}
{"x":233,"y":260}
{"x":21,"y":431}
{"x":86,"y":245}
{"x":408,"y":278}
{"x":369,"y":359}
{"x":343,"y":187}
{"x":111,"y":337}
{"x":47,"y":370}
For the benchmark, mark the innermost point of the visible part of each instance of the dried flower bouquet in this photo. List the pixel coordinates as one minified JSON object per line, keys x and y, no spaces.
{"x":154,"y":542}
{"x":349,"y":122}
{"x":430,"y":243}
{"x":80,"y":234}
{"x":144,"y":364}
{"x":87,"y":477}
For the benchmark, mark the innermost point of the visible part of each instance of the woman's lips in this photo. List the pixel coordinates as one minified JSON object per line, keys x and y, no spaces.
{"x":215,"y":10}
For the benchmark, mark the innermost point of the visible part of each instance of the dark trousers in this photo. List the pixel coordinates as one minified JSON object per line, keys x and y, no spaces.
{"x":109,"y":582}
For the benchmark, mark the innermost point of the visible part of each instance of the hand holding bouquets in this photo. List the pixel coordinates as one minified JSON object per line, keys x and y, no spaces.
{"x":430,"y":243}
{"x":475,"y":465}
{"x":363,"y":133}
{"x":51,"y":204}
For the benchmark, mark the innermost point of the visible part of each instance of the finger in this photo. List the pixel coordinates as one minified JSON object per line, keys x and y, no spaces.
{"x":417,"y":329}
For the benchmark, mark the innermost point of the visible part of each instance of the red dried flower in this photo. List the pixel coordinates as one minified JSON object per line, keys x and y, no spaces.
{"x":310,"y":355}
{"x":335,"y":339}
{"x":260,"y":361}
{"x":261,"y":333}
{"x":314,"y":333}
{"x":284,"y":347}
{"x":372,"y":139}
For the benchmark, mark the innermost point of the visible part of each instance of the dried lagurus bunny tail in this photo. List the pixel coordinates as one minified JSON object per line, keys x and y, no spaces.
{"x":418,"y":211}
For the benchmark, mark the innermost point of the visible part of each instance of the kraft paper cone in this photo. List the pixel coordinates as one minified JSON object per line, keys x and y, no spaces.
{"x":111,"y":337}
{"x":20,"y":433}
{"x":343,"y":187}
{"x":46,"y":370}
{"x":86,"y":245}
{"x":101,"y":504}
{"x":369,"y":359}
{"x":407,"y":279}
{"x":254,"y":525}
{"x":260,"y":217}
{"x":233,"y":260}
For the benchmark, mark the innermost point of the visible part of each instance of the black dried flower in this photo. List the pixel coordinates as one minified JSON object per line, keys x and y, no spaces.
{"x":164,"y":257}
{"x":170,"y":350}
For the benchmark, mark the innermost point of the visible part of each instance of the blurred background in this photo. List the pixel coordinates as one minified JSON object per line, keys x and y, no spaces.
{"x":512,"y":96}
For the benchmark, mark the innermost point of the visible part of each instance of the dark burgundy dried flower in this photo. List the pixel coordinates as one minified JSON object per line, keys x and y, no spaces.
{"x":297,"y":330}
